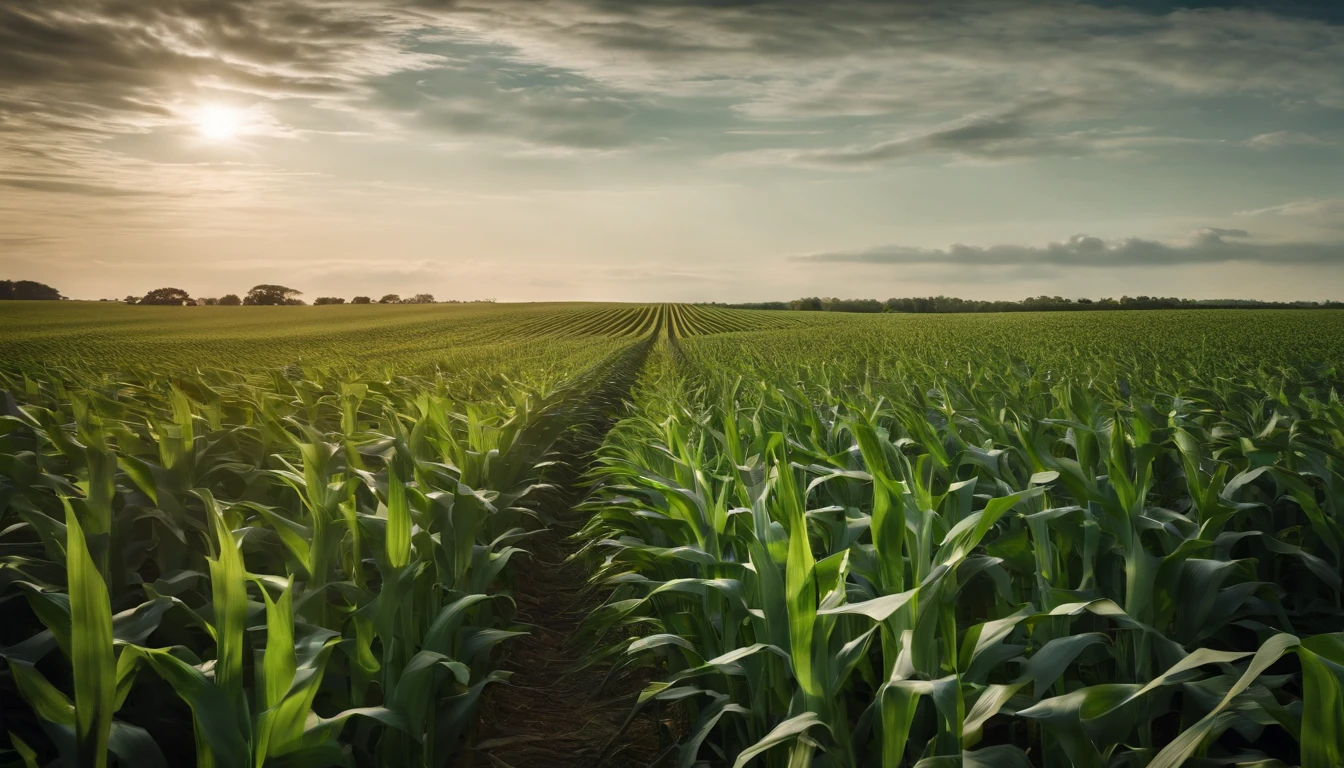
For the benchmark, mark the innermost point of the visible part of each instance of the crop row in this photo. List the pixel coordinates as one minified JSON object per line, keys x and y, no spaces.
{"x":286,"y":567}
{"x":904,"y":545}
{"x":669,"y":320}
{"x":405,"y":339}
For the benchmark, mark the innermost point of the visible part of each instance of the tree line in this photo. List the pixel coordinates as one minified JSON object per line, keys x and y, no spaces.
{"x":274,"y":295}
{"x":260,"y":296}
{"x":952,"y":304}
{"x":279,"y":295}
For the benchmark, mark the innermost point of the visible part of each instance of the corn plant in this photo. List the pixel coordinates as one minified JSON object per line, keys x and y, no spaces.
{"x":959,"y":566}
{"x":292,"y":567}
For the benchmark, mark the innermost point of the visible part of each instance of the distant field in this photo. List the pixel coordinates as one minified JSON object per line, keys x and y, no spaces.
{"x":501,"y":337}
{"x":1167,"y":344}
{"x":111,"y":335}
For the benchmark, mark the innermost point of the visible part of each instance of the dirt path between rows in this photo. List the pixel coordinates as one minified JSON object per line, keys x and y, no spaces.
{"x":555,"y":712}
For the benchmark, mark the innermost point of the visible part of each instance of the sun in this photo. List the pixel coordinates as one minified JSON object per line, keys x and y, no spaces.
{"x":218,"y":123}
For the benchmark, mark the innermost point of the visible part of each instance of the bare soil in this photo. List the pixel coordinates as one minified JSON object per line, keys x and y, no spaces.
{"x":559,"y":709}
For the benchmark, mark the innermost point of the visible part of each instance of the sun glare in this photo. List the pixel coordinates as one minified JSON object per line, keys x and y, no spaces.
{"x":218,"y":123}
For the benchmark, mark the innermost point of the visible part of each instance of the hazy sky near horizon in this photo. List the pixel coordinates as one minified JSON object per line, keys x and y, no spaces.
{"x":674,"y":149}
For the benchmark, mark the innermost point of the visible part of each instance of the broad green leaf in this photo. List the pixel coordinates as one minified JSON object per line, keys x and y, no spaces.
{"x":787,"y":731}
{"x":91,"y":655}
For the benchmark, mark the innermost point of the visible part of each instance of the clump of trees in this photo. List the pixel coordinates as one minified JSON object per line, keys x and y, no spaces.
{"x":322,"y":301}
{"x":167,"y":297}
{"x":230,"y":300}
{"x":361,"y":300}
{"x":27,"y":290}
{"x":419,"y":298}
{"x":272,"y":296}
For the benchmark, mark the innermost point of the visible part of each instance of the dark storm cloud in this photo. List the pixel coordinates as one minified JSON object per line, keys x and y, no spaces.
{"x":1208,"y":246}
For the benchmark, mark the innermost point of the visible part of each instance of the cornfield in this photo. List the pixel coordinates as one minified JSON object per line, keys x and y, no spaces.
{"x":866,"y":541}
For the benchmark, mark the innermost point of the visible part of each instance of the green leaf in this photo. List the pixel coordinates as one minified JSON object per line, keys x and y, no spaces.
{"x":219,"y":732}
{"x":878,"y":609}
{"x":398,"y":520}
{"x":46,"y":700}
{"x":787,"y":731}
{"x":91,"y":653}
{"x":278,"y":663}
{"x":1049,"y":662}
{"x":1185,"y":743}
{"x":228,"y":587}
{"x":1322,"y":701}
{"x":988,"y":704}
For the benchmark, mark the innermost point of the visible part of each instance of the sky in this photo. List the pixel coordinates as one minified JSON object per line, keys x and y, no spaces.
{"x":674,"y":150}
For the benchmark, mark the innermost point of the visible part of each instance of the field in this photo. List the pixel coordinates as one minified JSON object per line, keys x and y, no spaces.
{"x":312,"y":536}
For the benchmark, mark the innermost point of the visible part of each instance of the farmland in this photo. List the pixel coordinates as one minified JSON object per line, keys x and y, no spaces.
{"x":298,"y":535}
{"x":105,"y":336}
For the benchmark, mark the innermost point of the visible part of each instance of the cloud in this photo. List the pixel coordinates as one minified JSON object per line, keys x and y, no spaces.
{"x":81,"y":81}
{"x":1016,"y":135}
{"x":1224,"y":232}
{"x":76,"y":72}
{"x":1329,"y":208}
{"x":66,"y":187}
{"x":485,"y":95}
{"x":20,"y":241}
{"x":97,"y":99}
{"x":1207,"y":246}
{"x":1279,"y":139}
{"x":796,"y":59}
{"x":1324,"y":216}
{"x":107,"y":66}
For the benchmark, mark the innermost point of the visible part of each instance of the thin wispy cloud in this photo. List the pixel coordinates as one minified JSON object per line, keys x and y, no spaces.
{"x":1280,"y":139}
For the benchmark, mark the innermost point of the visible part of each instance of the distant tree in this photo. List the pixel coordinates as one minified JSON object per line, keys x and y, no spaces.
{"x":390,"y":298}
{"x":324,"y":300}
{"x":132,"y":299}
{"x":420,"y":298}
{"x":361,"y":300}
{"x":170,"y":297}
{"x":27,"y":290}
{"x":230,"y":300}
{"x":271,"y":295}
{"x":207,"y":302}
